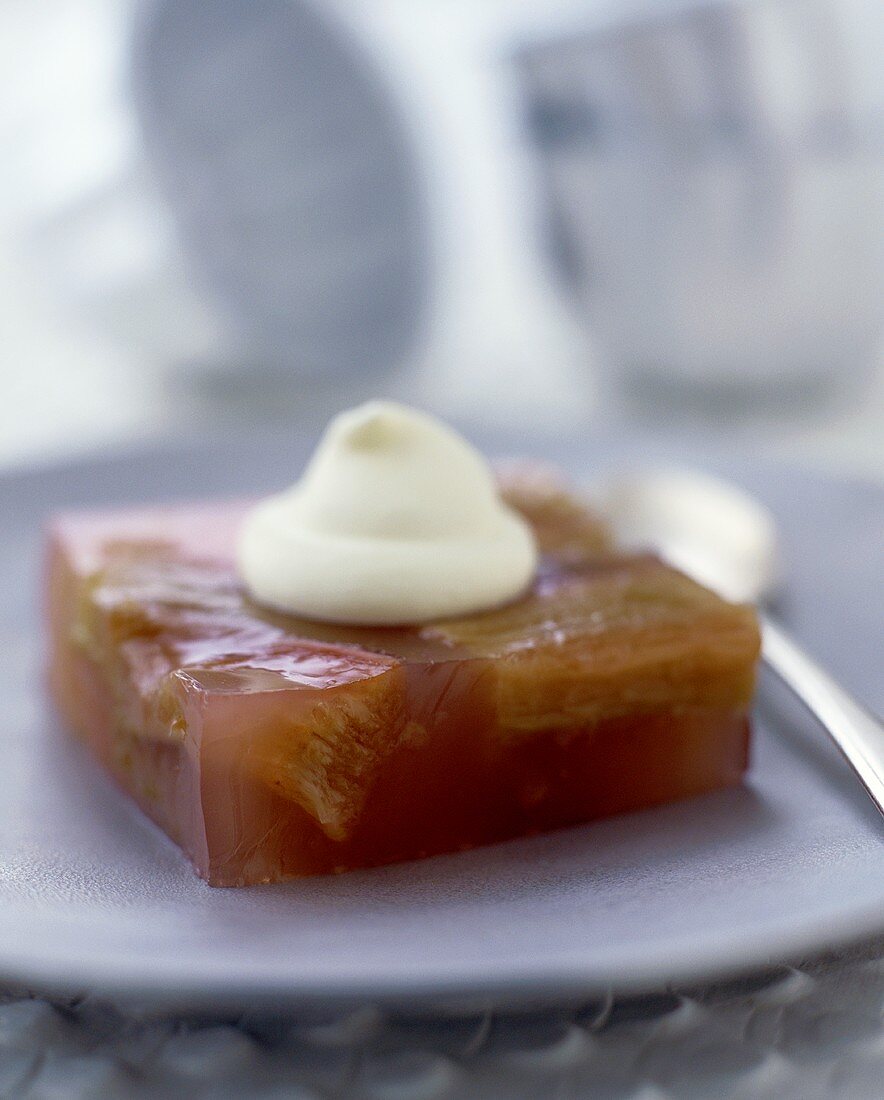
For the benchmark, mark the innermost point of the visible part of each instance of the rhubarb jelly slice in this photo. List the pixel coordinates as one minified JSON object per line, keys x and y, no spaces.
{"x":268,"y":746}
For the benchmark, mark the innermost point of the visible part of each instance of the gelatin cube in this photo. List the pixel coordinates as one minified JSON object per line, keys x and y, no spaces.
{"x":269,"y":746}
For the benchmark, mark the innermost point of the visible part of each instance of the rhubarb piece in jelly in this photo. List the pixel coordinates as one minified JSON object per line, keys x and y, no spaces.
{"x":268,"y":746}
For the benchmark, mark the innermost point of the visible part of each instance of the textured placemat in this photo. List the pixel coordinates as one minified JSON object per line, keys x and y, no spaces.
{"x":796,"y":1032}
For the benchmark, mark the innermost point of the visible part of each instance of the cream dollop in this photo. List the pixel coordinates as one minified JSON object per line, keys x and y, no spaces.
{"x":396,"y":520}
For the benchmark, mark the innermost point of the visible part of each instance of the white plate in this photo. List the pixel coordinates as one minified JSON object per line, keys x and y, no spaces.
{"x":92,"y":896}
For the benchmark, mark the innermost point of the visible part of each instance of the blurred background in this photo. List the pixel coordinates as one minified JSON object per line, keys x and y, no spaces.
{"x":220,"y":216}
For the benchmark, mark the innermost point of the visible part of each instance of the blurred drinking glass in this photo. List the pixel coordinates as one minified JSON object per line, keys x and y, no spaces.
{"x":715,"y":185}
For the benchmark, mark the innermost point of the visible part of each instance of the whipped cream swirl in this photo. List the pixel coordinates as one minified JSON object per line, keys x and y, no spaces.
{"x":396,"y":520}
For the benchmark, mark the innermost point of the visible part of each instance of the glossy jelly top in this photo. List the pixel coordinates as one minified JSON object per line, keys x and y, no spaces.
{"x":166,"y":576}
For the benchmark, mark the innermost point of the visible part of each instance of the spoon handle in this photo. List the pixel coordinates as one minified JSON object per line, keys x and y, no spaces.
{"x":857,"y":733}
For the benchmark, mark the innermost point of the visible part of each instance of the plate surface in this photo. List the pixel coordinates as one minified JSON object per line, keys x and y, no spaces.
{"x":92,"y":896}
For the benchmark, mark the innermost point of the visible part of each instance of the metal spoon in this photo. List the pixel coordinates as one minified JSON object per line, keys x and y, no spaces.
{"x":726,"y":540}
